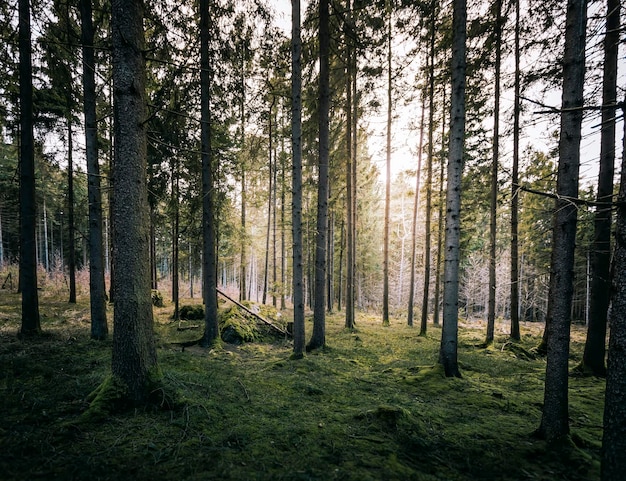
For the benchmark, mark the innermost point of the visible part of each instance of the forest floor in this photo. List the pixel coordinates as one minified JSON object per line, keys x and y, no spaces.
{"x":372,"y":405}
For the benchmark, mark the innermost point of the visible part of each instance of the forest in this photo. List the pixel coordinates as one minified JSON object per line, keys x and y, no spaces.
{"x":348,"y":239}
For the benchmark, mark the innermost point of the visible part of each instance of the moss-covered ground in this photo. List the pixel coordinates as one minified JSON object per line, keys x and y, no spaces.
{"x":372,"y":405}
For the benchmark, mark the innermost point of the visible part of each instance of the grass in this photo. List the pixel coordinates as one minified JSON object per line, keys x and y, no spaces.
{"x":372,"y":405}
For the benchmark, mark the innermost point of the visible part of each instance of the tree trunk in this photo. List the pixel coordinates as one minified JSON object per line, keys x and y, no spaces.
{"x":71,"y":258}
{"x":134,"y":360}
{"x":97,"y":289}
{"x":415,"y":209}
{"x":614,"y":437}
{"x":28,"y":248}
{"x":388,"y":176}
{"x":318,"y":339}
{"x":449,"y":335}
{"x":440,"y":225}
{"x":209,"y":251}
{"x":175,"y":243}
{"x":515,"y":277}
{"x":269,"y":203}
{"x":593,"y":357}
{"x":296,"y":194}
{"x":429,"y":171}
{"x":493,"y":210}
{"x":554,"y":420}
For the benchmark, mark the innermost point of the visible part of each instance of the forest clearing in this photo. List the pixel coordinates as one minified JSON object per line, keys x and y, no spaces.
{"x":373,"y":404}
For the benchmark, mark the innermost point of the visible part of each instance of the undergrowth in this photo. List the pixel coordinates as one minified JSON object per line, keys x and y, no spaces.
{"x":372,"y":405}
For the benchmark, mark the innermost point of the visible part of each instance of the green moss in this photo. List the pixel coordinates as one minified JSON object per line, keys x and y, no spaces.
{"x":192,"y":312}
{"x":111,"y":396}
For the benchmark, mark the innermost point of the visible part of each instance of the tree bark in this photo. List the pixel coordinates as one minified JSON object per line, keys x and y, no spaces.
{"x":554,"y":421}
{"x":515,"y":277}
{"x":493,"y":210}
{"x":28,"y":248}
{"x":134,"y":359}
{"x":97,"y":289}
{"x":209,"y":251}
{"x":449,"y":335}
{"x":388,"y":175}
{"x":296,"y":180}
{"x":614,"y":437}
{"x":429,"y":171}
{"x":318,"y":339}
{"x":415,"y":209}
{"x":593,"y":357}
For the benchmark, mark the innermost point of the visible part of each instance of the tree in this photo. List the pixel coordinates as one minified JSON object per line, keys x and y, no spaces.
{"x":515,"y":284}
{"x":593,"y":357}
{"x":296,"y":180}
{"x":388,"y":172}
{"x":449,"y":335}
{"x":134,"y":360}
{"x":614,"y":437}
{"x":97,"y":290}
{"x":28,"y":250}
{"x":415,"y":208}
{"x":318,"y":338}
{"x":554,"y":420}
{"x":209,"y":259}
{"x":429,"y":169}
{"x":493,"y":210}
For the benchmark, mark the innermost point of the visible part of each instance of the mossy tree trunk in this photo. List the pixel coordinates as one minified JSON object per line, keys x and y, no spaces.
{"x":134,"y":352}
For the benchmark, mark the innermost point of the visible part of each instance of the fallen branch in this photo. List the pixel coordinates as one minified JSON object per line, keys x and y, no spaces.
{"x":265,"y":321}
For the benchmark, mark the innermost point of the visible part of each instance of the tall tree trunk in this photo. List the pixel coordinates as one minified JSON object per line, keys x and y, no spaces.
{"x":209,"y":251}
{"x":318,"y":339}
{"x":283,"y":194}
{"x":71,"y":258}
{"x":349,"y":188}
{"x":274,"y":220}
{"x":415,"y":209}
{"x":28,"y":248}
{"x":97,"y":289}
{"x":554,"y":420}
{"x":429,"y":171}
{"x":175,"y":243}
{"x":493,"y":210}
{"x":134,"y":360}
{"x":593,"y":357}
{"x":296,"y":194}
{"x":614,"y":437}
{"x":515,"y":277}
{"x":388,"y":176}
{"x":244,"y":193}
{"x":440,"y":226}
{"x":269,"y":202}
{"x":449,"y":335}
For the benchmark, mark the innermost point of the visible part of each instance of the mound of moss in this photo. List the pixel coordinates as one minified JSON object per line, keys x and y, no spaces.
{"x":237,"y":328}
{"x":192,"y":312}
